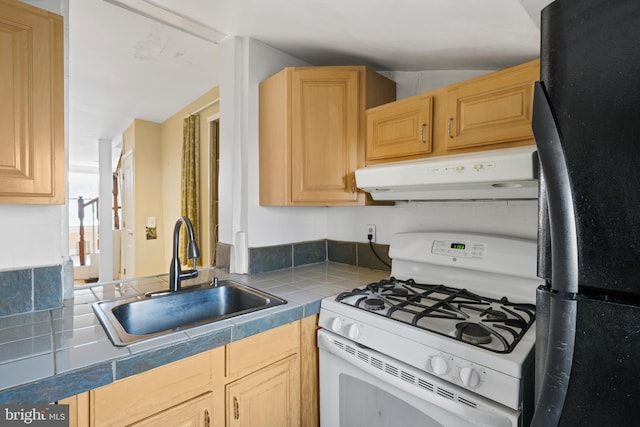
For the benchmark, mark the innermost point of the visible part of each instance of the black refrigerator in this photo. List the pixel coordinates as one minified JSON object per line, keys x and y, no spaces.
{"x":586,"y":121}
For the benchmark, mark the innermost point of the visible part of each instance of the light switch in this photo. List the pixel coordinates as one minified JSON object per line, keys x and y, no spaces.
{"x":151,"y":222}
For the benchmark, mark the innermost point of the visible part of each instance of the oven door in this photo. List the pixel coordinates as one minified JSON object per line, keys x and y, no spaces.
{"x":360,"y":387}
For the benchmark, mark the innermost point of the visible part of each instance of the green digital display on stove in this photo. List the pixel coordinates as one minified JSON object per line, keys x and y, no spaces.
{"x":460,"y":246}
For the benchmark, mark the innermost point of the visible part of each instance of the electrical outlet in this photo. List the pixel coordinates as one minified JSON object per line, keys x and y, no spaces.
{"x":371,"y":230}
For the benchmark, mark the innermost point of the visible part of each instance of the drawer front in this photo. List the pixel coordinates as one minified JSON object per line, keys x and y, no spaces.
{"x":250,"y":354}
{"x":148,"y":393}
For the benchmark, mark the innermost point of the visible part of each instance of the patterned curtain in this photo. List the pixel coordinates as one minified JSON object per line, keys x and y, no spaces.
{"x":190,"y":186}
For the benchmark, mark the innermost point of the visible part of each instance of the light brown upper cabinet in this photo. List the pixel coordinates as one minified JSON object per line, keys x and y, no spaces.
{"x":401,"y":128}
{"x":492,"y":109}
{"x":312,"y":132}
{"x":31,"y":105}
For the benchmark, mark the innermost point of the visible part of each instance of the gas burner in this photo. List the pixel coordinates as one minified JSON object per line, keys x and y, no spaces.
{"x":495,"y":314}
{"x":373,"y":304}
{"x":397,"y":292}
{"x":382,"y":285}
{"x":473,"y":333}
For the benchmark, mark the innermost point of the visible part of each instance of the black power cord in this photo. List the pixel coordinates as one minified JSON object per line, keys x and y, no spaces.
{"x":370,"y":237}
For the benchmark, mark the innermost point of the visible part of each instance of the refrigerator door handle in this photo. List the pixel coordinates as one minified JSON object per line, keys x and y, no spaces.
{"x":562,"y":223}
{"x":564,"y":262}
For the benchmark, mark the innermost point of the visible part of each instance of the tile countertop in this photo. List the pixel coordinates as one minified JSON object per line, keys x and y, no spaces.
{"x":49,"y":355}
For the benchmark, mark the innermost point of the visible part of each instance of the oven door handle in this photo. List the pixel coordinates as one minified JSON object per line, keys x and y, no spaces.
{"x":476,"y":416}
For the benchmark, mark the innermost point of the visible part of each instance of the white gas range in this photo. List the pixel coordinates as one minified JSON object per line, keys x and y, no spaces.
{"x":452,"y":332}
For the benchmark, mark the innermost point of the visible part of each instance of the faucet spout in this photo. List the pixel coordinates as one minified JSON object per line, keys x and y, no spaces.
{"x":176,"y":275}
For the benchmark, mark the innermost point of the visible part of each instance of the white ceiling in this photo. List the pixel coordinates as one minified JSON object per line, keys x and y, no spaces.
{"x":125,"y":66}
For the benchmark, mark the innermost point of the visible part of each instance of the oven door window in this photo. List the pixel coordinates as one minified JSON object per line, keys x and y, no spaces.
{"x":363,"y":404}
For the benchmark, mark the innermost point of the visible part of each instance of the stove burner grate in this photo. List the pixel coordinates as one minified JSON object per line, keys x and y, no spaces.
{"x":419,"y":302}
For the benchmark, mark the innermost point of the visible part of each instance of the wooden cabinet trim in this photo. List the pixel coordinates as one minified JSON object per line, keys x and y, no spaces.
{"x":309,"y":373}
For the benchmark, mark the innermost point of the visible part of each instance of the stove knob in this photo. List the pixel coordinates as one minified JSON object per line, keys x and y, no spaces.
{"x":353,"y":332}
{"x":469,"y":377}
{"x":336,"y":324}
{"x":439,"y":365}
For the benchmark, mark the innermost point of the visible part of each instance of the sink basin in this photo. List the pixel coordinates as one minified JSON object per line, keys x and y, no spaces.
{"x":134,"y":319}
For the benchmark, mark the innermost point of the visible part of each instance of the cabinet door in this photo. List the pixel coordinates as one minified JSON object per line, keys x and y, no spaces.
{"x":31,"y":105}
{"x":267,"y":398}
{"x":402,"y":128}
{"x":492,"y":110}
{"x":193,"y":413}
{"x":325,"y":111}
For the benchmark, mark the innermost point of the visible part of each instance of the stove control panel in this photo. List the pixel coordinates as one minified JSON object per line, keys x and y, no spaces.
{"x":458,"y":248}
{"x":446,"y":366}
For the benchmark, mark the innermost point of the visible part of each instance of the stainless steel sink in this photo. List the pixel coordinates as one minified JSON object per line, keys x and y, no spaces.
{"x":134,"y":319}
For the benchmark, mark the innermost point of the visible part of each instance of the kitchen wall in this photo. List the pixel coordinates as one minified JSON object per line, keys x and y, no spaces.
{"x":245,"y":224}
{"x":409,"y":83}
{"x":171,"y":141}
{"x":140,"y":141}
{"x":517,"y":218}
{"x":156,"y":149}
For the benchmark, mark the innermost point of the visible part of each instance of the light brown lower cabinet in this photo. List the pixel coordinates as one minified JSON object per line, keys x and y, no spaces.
{"x":269,"y":397}
{"x":192,"y":413}
{"x":252,"y":382}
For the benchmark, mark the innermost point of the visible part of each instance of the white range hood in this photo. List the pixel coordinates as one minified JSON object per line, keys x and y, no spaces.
{"x":508,"y":173}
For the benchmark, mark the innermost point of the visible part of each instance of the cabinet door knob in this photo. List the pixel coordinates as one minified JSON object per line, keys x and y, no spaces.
{"x":449,"y":128}
{"x":207,"y":419}
{"x":422,"y":133}
{"x":353,"y":184}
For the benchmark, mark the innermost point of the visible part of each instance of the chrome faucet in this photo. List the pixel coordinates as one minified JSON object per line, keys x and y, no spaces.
{"x":176,"y":275}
